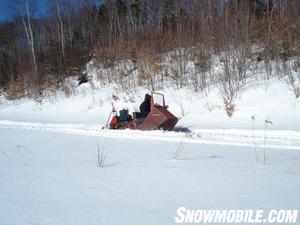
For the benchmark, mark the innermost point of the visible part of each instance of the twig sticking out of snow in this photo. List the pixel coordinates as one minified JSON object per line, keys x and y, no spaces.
{"x":253,"y":118}
{"x":179,"y":150}
{"x":268,"y":122}
{"x":101,"y":157}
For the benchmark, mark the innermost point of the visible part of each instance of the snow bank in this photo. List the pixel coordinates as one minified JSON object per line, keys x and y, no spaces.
{"x":274,"y":102}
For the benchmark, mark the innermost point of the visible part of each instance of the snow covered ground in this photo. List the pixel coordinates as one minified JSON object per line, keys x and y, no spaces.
{"x":48,"y":157}
{"x":53,"y":178}
{"x":272,"y":139}
{"x":274,"y":102}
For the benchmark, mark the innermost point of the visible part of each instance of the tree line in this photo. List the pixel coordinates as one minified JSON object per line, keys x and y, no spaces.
{"x":37,"y":54}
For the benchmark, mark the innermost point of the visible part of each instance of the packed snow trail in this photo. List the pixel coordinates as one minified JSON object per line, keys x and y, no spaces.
{"x":272,"y":139}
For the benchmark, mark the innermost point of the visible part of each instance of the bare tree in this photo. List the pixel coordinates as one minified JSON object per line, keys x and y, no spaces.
{"x":149,"y":68}
{"x":61,"y":29}
{"x":27,"y":23}
{"x":202,"y":60}
{"x":230,"y":84}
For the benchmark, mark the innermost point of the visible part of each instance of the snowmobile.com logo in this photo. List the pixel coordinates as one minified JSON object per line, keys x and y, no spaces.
{"x":185,"y":215}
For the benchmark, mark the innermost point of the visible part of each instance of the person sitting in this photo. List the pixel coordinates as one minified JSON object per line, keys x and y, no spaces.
{"x":145,"y":106}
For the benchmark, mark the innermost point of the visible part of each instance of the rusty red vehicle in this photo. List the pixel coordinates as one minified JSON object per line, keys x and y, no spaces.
{"x":159,"y":117}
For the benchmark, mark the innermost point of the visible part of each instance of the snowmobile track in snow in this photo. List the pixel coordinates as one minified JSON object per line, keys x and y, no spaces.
{"x":271,"y":139}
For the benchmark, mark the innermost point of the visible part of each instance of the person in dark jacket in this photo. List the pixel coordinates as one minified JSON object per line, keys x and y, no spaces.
{"x":145,"y":106}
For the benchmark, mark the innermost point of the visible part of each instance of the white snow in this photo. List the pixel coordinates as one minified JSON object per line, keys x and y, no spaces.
{"x":92,"y":106}
{"x":52,"y":178}
{"x":272,"y":139}
{"x":48,"y":157}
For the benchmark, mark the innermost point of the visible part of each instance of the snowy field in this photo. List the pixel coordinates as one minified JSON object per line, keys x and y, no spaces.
{"x":49,"y":151}
{"x":53,"y":178}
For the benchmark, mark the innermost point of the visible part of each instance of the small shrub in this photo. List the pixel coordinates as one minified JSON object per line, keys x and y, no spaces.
{"x":16,"y":89}
{"x":229,"y":108}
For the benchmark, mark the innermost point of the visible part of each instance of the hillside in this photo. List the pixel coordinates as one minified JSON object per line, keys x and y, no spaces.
{"x":228,"y":70}
{"x":90,"y":104}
